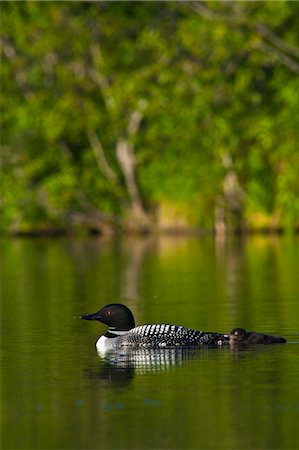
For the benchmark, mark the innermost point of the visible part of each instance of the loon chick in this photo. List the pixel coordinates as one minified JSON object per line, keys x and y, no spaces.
{"x":241,"y":336}
{"x":123,"y":333}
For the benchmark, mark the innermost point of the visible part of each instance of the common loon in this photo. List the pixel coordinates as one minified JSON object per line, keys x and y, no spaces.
{"x":123,"y":333}
{"x":241,"y":336}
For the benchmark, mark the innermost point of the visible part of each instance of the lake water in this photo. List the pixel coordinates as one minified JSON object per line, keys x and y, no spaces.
{"x":58,"y":393}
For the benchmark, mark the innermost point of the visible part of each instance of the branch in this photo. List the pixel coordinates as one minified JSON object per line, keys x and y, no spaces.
{"x":99,"y":153}
{"x":201,"y":9}
{"x":285,"y":53}
{"x":134,"y":123}
{"x":281,"y":57}
{"x":8,"y":49}
{"x":98,"y":78}
{"x":276,"y":40}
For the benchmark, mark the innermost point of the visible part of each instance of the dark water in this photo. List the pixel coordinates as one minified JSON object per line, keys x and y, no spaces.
{"x":57,"y":393}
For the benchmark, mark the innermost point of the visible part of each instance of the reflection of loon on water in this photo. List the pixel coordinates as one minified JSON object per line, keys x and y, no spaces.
{"x":123,"y":333}
{"x":118,"y":367}
{"x":109,"y":374}
{"x":149,"y":360}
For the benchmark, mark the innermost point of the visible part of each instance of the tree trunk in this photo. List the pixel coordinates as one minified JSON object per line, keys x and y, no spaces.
{"x":230,"y":205}
{"x":127,"y":163}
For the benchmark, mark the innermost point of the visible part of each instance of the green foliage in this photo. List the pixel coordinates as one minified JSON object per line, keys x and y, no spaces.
{"x":212,"y":82}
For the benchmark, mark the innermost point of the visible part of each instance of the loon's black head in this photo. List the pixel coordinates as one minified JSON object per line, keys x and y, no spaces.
{"x":237,"y":335}
{"x":115,"y":315}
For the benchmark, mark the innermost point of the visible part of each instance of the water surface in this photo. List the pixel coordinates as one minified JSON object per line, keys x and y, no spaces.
{"x":58,"y":393}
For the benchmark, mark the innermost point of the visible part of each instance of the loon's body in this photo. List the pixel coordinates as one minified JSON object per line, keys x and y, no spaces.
{"x":158,"y":336}
{"x":241,"y":336}
{"x":122,"y":332}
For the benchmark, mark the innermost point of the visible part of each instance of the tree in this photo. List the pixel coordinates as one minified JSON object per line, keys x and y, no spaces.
{"x":150,"y":114}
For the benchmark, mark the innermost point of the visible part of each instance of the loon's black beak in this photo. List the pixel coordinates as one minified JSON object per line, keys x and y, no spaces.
{"x":94,"y":316}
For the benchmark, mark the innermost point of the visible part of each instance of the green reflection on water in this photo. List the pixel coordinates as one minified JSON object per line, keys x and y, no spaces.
{"x":57,"y":392}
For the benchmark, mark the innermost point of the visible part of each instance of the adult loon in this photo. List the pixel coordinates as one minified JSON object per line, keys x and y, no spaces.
{"x":123,"y":333}
{"x":241,"y":336}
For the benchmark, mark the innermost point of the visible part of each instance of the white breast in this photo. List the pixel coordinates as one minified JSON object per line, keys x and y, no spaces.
{"x":104,"y":343}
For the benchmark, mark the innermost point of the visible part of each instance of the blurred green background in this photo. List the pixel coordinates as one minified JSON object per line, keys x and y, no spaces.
{"x":149,"y":116}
